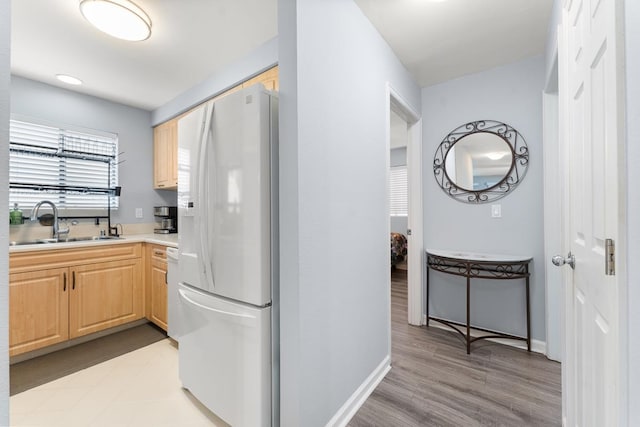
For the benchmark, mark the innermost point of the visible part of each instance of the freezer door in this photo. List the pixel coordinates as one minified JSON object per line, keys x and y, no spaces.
{"x":230,"y":201}
{"x":225,"y":357}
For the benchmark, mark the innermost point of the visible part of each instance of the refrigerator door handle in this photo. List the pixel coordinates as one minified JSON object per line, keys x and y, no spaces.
{"x":204,"y":258}
{"x":241,"y":318}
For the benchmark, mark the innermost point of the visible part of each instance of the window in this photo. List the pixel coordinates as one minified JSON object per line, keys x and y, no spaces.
{"x":73,"y":169}
{"x":398,"y":199}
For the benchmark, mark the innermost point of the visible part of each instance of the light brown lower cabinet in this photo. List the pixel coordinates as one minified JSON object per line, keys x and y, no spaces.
{"x":58,"y":295}
{"x":104,"y":295}
{"x":157,"y":285}
{"x":38,"y":309}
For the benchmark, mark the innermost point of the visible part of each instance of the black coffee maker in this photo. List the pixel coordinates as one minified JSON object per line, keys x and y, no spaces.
{"x":168,"y":218}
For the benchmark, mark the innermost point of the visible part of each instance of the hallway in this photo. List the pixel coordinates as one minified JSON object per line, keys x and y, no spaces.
{"x":433,"y":382}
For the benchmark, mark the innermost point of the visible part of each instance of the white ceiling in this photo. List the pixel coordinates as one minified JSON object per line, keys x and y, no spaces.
{"x":440,"y":40}
{"x":192,"y":39}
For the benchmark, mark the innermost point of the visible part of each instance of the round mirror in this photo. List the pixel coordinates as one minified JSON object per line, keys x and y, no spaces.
{"x":481,"y":161}
{"x":478,"y":161}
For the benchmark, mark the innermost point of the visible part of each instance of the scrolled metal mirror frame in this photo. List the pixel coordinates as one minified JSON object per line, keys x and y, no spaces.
{"x":515,"y":175}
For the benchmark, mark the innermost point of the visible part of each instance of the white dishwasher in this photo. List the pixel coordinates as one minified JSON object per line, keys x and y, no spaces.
{"x":173,"y":304}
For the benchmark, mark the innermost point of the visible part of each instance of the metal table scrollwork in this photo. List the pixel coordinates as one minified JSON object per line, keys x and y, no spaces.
{"x":479,"y":266}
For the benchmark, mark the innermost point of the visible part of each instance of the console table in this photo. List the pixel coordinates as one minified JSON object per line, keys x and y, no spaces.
{"x":479,"y":266}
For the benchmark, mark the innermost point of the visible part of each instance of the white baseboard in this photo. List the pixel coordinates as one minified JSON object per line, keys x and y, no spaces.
{"x":537,"y":346}
{"x":357,"y":399}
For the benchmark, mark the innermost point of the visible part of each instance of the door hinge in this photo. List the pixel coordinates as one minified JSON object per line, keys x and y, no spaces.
{"x":409,"y":232}
{"x":610,"y":258}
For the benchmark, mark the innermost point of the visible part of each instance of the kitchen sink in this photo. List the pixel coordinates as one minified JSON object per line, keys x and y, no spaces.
{"x":67,"y":240}
{"x":82,"y":239}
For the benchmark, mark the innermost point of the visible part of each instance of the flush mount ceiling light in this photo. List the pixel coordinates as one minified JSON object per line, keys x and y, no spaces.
{"x":118,"y":18}
{"x":68,"y":79}
{"x":497,"y":155}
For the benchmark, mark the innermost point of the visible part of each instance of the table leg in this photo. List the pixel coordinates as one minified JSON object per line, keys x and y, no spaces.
{"x":528,"y":315}
{"x":468,"y":314}
{"x":427,"y":307}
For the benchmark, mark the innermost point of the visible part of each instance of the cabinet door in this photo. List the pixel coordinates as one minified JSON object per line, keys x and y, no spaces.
{"x":159,"y":293}
{"x":38,"y":309}
{"x":173,"y":154}
{"x":165,"y":155}
{"x":104,"y":295}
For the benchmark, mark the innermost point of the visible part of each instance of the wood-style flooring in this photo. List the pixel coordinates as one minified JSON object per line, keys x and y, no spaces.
{"x":433,"y":382}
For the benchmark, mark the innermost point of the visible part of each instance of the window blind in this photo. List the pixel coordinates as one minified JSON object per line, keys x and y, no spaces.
{"x":398,"y":195}
{"x":76,"y":168}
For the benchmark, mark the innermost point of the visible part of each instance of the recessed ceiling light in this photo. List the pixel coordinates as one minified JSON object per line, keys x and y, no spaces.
{"x":118,"y":18}
{"x":68,"y":79}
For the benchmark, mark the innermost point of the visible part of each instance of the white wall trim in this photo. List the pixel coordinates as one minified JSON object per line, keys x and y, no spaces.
{"x":357,"y":399}
{"x":553,"y":230}
{"x":537,"y":346}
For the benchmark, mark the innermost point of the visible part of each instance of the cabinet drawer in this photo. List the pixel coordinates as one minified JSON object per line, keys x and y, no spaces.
{"x":158,"y":252}
{"x":40,"y":260}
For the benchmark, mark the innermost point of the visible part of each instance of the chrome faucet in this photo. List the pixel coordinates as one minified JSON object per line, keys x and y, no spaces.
{"x":56,"y":228}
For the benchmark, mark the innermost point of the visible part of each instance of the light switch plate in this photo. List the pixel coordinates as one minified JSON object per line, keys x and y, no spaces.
{"x":138,"y":212}
{"x":496,"y":211}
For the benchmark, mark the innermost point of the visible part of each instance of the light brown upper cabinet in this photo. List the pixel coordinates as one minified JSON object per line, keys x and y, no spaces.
{"x":165,"y":136}
{"x":269,"y":79}
{"x":165,"y":156}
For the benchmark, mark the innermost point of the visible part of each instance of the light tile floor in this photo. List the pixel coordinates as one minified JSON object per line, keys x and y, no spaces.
{"x":138,"y":389}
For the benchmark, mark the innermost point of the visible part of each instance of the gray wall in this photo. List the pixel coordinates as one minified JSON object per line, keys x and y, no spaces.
{"x":5,"y":45}
{"x":133,"y":126}
{"x":511,"y":94}
{"x":335,"y":292}
{"x":261,"y":59}
{"x":632,"y":50}
{"x":399,"y":224}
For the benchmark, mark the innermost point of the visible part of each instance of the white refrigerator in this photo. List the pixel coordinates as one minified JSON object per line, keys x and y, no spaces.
{"x":227,"y":216}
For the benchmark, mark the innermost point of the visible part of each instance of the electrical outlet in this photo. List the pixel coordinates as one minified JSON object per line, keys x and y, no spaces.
{"x":496,"y":211}
{"x":138,"y":212}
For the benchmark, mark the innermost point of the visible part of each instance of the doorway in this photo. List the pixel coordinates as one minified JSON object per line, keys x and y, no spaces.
{"x":405,"y":126}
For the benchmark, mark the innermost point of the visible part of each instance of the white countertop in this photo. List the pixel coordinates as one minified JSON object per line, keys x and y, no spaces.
{"x":158,"y":239}
{"x":476,"y":256}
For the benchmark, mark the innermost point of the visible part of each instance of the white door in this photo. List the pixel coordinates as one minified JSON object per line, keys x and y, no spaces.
{"x":591,"y":112}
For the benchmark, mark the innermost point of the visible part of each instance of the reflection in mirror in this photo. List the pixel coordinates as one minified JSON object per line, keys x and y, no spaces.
{"x":478,"y":161}
{"x":481,"y":161}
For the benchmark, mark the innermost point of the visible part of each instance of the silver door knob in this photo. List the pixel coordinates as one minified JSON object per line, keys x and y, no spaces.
{"x":559,"y":260}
